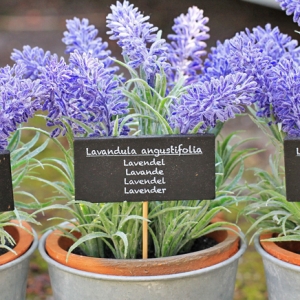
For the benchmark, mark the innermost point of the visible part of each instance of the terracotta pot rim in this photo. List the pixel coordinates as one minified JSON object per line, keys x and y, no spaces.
{"x":144,"y":267}
{"x":65,"y":268}
{"x":231,"y":237}
{"x":278,"y":252}
{"x":24,"y":242}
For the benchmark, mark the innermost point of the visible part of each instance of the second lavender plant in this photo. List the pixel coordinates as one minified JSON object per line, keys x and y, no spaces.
{"x":167,"y":93}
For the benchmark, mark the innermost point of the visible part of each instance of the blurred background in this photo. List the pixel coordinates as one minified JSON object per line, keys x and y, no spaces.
{"x":42,"y":23}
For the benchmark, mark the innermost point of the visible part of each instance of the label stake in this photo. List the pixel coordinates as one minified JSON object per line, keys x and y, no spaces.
{"x":145,"y":230}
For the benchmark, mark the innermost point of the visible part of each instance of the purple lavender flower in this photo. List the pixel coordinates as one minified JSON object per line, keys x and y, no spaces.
{"x":212,"y":101}
{"x":134,"y":34}
{"x":82,"y":91}
{"x":292,"y":7}
{"x":285,"y":92}
{"x":187,"y":44}
{"x":245,"y":49}
{"x":253,"y":53}
{"x":100,"y":95}
{"x":19,"y":99}
{"x":83,"y":37}
{"x":33,"y":58}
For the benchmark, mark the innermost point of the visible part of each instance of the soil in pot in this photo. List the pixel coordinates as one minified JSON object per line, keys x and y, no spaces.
{"x":285,"y":251}
{"x":228,"y":244}
{"x":7,"y":244}
{"x":202,"y":243}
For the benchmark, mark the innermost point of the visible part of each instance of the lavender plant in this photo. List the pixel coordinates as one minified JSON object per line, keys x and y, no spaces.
{"x":20,"y":99}
{"x":166,"y":93}
{"x":271,"y":211}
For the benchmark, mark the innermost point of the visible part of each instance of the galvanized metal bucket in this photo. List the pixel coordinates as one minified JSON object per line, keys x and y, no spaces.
{"x":13,"y":275}
{"x":282,"y":278}
{"x":216,"y":282}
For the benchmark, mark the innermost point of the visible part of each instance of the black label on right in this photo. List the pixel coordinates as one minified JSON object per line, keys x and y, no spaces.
{"x":292,"y":168}
{"x":6,"y":190}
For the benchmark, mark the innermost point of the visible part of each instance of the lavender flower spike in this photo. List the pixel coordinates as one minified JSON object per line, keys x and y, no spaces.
{"x":82,"y":92}
{"x":285,"y":93}
{"x":19,"y":99}
{"x":292,"y":7}
{"x":83,"y":37}
{"x":134,"y":34}
{"x":125,"y":21}
{"x":212,"y":101}
{"x":188,"y":46}
{"x":33,"y":59}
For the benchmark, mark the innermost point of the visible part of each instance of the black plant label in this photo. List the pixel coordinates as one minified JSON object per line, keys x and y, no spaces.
{"x":148,"y":168}
{"x":292,"y":167}
{"x":6,"y":190}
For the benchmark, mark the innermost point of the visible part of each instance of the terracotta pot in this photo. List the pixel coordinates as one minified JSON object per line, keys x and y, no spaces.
{"x":228,"y":244}
{"x":285,"y":251}
{"x":23,"y":241}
